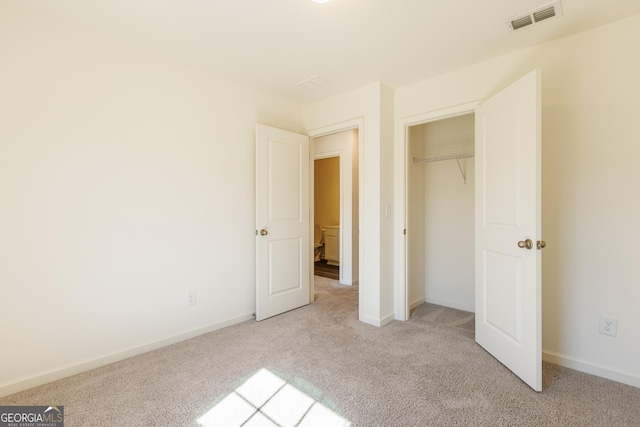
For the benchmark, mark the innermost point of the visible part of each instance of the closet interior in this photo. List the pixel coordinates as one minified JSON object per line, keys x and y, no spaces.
{"x":440,"y":213}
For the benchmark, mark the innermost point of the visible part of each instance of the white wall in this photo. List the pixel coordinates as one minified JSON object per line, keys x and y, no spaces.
{"x":386,"y":225}
{"x":449,"y":231}
{"x":126,"y":179}
{"x":345,"y":145}
{"x":591,"y":206}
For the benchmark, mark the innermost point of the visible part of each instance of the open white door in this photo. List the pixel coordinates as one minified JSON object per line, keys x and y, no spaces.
{"x":508,"y":225}
{"x":282,"y":221}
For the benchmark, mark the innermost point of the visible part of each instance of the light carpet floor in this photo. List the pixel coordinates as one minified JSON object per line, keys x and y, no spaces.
{"x":424,"y":372}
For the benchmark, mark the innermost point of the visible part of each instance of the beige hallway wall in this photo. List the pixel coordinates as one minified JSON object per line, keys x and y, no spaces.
{"x":327,"y":191}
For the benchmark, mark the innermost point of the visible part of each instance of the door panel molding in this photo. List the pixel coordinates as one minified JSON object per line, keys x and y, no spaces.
{"x":283,"y":248}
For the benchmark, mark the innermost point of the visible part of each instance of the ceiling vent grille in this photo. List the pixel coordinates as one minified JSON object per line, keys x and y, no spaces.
{"x":539,"y":14}
{"x":314,"y":82}
{"x":518,"y":23}
{"x":547,"y":13}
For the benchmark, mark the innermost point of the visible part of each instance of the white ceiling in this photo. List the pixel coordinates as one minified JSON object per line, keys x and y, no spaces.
{"x":272,"y":45}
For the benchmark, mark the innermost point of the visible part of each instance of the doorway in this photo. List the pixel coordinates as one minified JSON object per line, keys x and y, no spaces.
{"x":288,"y":191}
{"x":335,"y":207}
{"x":440,"y":213}
{"x":326,"y":199}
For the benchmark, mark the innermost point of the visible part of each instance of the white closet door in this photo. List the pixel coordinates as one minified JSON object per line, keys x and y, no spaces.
{"x":508,"y":224}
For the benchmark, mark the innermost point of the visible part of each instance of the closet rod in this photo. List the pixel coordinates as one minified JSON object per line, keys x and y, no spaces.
{"x":440,"y":158}
{"x":455,"y":157}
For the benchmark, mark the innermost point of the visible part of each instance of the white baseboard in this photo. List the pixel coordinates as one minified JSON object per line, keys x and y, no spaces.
{"x":387,"y":319}
{"x":591,"y":368}
{"x":417,"y":303}
{"x":63,"y":372}
{"x":370,"y":320}
{"x":349,"y":282}
{"x":451,"y":304}
{"x":378,"y":322}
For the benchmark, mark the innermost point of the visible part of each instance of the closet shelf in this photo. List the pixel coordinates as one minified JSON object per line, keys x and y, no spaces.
{"x":456,"y":157}
{"x":442,"y":157}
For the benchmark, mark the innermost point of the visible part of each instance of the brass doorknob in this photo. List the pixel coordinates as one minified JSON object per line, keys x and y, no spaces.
{"x":263,"y":232}
{"x":541,"y":244}
{"x":528,"y":244}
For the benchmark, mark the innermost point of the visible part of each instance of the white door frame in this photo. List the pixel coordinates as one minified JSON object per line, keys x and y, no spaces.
{"x":401,"y":291}
{"x":344,"y":152}
{"x":358,"y":124}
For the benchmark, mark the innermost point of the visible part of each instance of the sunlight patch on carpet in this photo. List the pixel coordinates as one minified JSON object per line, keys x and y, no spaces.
{"x":267,"y":400}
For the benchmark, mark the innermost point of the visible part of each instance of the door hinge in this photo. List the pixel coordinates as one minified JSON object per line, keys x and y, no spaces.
{"x":405,"y":231}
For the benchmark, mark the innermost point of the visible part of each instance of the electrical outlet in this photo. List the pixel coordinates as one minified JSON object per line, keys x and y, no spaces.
{"x":191,"y":297}
{"x":608,"y":326}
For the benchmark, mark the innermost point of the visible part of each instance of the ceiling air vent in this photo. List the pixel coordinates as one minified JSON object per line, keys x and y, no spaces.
{"x":314,"y":82}
{"x":518,"y":23}
{"x":547,"y":11}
